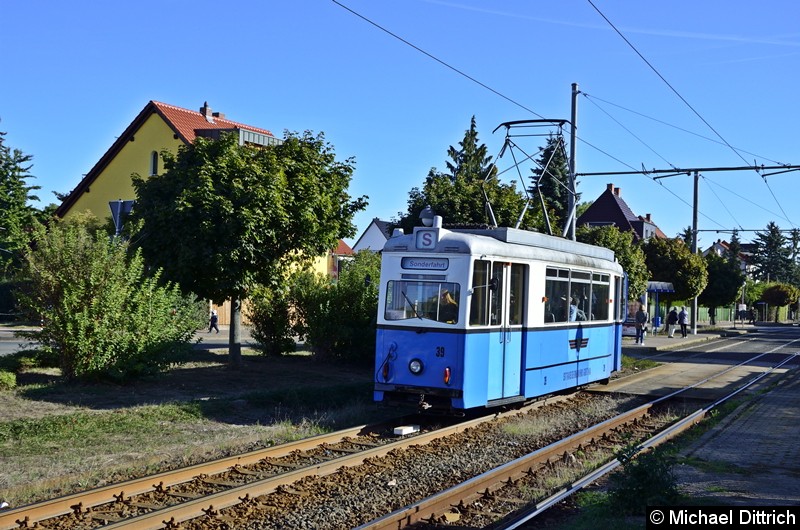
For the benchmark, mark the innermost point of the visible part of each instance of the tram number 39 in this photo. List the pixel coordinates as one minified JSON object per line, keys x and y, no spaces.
{"x":440,"y":351}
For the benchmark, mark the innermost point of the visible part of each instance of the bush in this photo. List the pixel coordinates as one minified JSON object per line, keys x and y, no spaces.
{"x":270,"y":314}
{"x":337,"y":320}
{"x":646,"y":479}
{"x":103,"y":317}
{"x":8,"y":380}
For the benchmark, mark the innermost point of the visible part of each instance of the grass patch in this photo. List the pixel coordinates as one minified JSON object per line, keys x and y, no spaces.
{"x":713,"y":466}
{"x":631,"y":364}
{"x":82,"y":430}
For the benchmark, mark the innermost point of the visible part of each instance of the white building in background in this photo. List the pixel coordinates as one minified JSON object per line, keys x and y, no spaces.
{"x":374,"y":237}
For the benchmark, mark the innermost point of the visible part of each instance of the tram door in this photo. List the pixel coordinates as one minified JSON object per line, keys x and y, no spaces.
{"x":507,"y":313}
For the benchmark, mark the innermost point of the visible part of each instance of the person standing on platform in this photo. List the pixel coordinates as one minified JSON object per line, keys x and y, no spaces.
{"x":683,"y":321}
{"x":641,"y":325}
{"x":672,"y":322}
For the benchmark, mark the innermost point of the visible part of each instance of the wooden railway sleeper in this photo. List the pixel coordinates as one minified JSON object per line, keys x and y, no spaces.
{"x":244,"y":471}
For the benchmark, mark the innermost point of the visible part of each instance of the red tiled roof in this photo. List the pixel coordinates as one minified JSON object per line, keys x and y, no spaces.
{"x":343,"y":249}
{"x":183,"y":121}
{"x":186,"y":122}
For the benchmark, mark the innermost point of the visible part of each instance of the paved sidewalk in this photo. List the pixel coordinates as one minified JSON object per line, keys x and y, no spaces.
{"x":752,"y":457}
{"x":662,"y":342}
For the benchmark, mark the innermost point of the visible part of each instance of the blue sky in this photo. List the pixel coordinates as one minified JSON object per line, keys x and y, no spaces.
{"x":684,"y":84}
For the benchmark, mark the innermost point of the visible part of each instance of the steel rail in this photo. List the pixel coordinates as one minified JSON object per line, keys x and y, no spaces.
{"x":33,"y":513}
{"x":674,"y":430}
{"x":494,"y":479}
{"x":211,"y":504}
{"x":480,"y":485}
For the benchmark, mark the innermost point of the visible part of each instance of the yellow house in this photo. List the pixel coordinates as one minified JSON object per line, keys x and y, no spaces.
{"x":157,"y":127}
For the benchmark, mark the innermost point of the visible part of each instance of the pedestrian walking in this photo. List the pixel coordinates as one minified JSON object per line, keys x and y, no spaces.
{"x":683,"y":321}
{"x":672,"y":322}
{"x":641,"y":325}
{"x":712,"y":316}
{"x":212,"y":322}
{"x":752,"y":315}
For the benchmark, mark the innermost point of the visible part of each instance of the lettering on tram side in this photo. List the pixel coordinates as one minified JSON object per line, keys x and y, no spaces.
{"x":574,"y":374}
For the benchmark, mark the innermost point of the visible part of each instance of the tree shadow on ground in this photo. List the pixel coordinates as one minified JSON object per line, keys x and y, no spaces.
{"x":261,"y":390}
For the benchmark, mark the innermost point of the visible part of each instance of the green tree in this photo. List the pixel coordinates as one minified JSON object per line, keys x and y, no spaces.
{"x":223,"y":218}
{"x":772,"y":260}
{"x":551,"y":182}
{"x":458,"y":194}
{"x":18,"y":216}
{"x":670,"y":260}
{"x":725,"y":280}
{"x":779,"y":295}
{"x":629,"y":255}
{"x":687,"y":235}
{"x":734,"y":251}
{"x":103,"y":316}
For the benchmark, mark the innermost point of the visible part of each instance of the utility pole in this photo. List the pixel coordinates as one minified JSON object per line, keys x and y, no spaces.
{"x":572,"y":202}
{"x":694,"y":244}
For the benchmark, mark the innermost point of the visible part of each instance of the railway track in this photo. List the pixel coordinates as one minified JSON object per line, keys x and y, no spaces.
{"x":481,"y":501}
{"x":278,"y":481}
{"x":157,"y":501}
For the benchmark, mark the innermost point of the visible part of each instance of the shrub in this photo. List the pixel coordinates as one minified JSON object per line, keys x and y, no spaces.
{"x":270,"y":315}
{"x":337,"y":320}
{"x":8,"y":380}
{"x":103,"y":317}
{"x":646,"y":479}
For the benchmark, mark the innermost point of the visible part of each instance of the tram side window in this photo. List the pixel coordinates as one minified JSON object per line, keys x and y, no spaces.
{"x":556,"y":291}
{"x":516,"y":302}
{"x":580,"y":299}
{"x":600,"y":296}
{"x":479,"y":306}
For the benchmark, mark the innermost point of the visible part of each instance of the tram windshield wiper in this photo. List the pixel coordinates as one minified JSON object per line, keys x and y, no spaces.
{"x":414,"y":309}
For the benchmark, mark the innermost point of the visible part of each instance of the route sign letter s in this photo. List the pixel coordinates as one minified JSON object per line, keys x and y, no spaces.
{"x":426,"y":239}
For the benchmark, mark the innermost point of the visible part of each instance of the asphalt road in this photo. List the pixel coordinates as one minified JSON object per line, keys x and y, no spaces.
{"x":10,"y":343}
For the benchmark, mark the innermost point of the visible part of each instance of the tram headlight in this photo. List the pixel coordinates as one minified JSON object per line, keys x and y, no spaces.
{"x":415,"y":366}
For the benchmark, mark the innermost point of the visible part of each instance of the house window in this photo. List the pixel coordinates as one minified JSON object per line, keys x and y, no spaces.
{"x":154,"y":163}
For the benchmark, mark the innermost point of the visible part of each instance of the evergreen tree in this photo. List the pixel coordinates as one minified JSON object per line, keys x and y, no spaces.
{"x":551,"y":181}
{"x":734,"y":251}
{"x":459,"y":195}
{"x":772,"y":259}
{"x":18,"y":217}
{"x":687,"y":236}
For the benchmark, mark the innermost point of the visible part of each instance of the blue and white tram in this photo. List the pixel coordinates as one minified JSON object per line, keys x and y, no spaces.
{"x":533,"y":315}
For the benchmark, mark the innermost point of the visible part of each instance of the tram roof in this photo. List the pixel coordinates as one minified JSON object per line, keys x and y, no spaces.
{"x":504,"y":241}
{"x":537,"y":239}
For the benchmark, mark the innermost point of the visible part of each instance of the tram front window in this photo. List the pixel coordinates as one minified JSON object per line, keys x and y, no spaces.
{"x":437,"y":301}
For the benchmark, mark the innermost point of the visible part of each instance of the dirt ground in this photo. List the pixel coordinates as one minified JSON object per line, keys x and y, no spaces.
{"x":208,"y":376}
